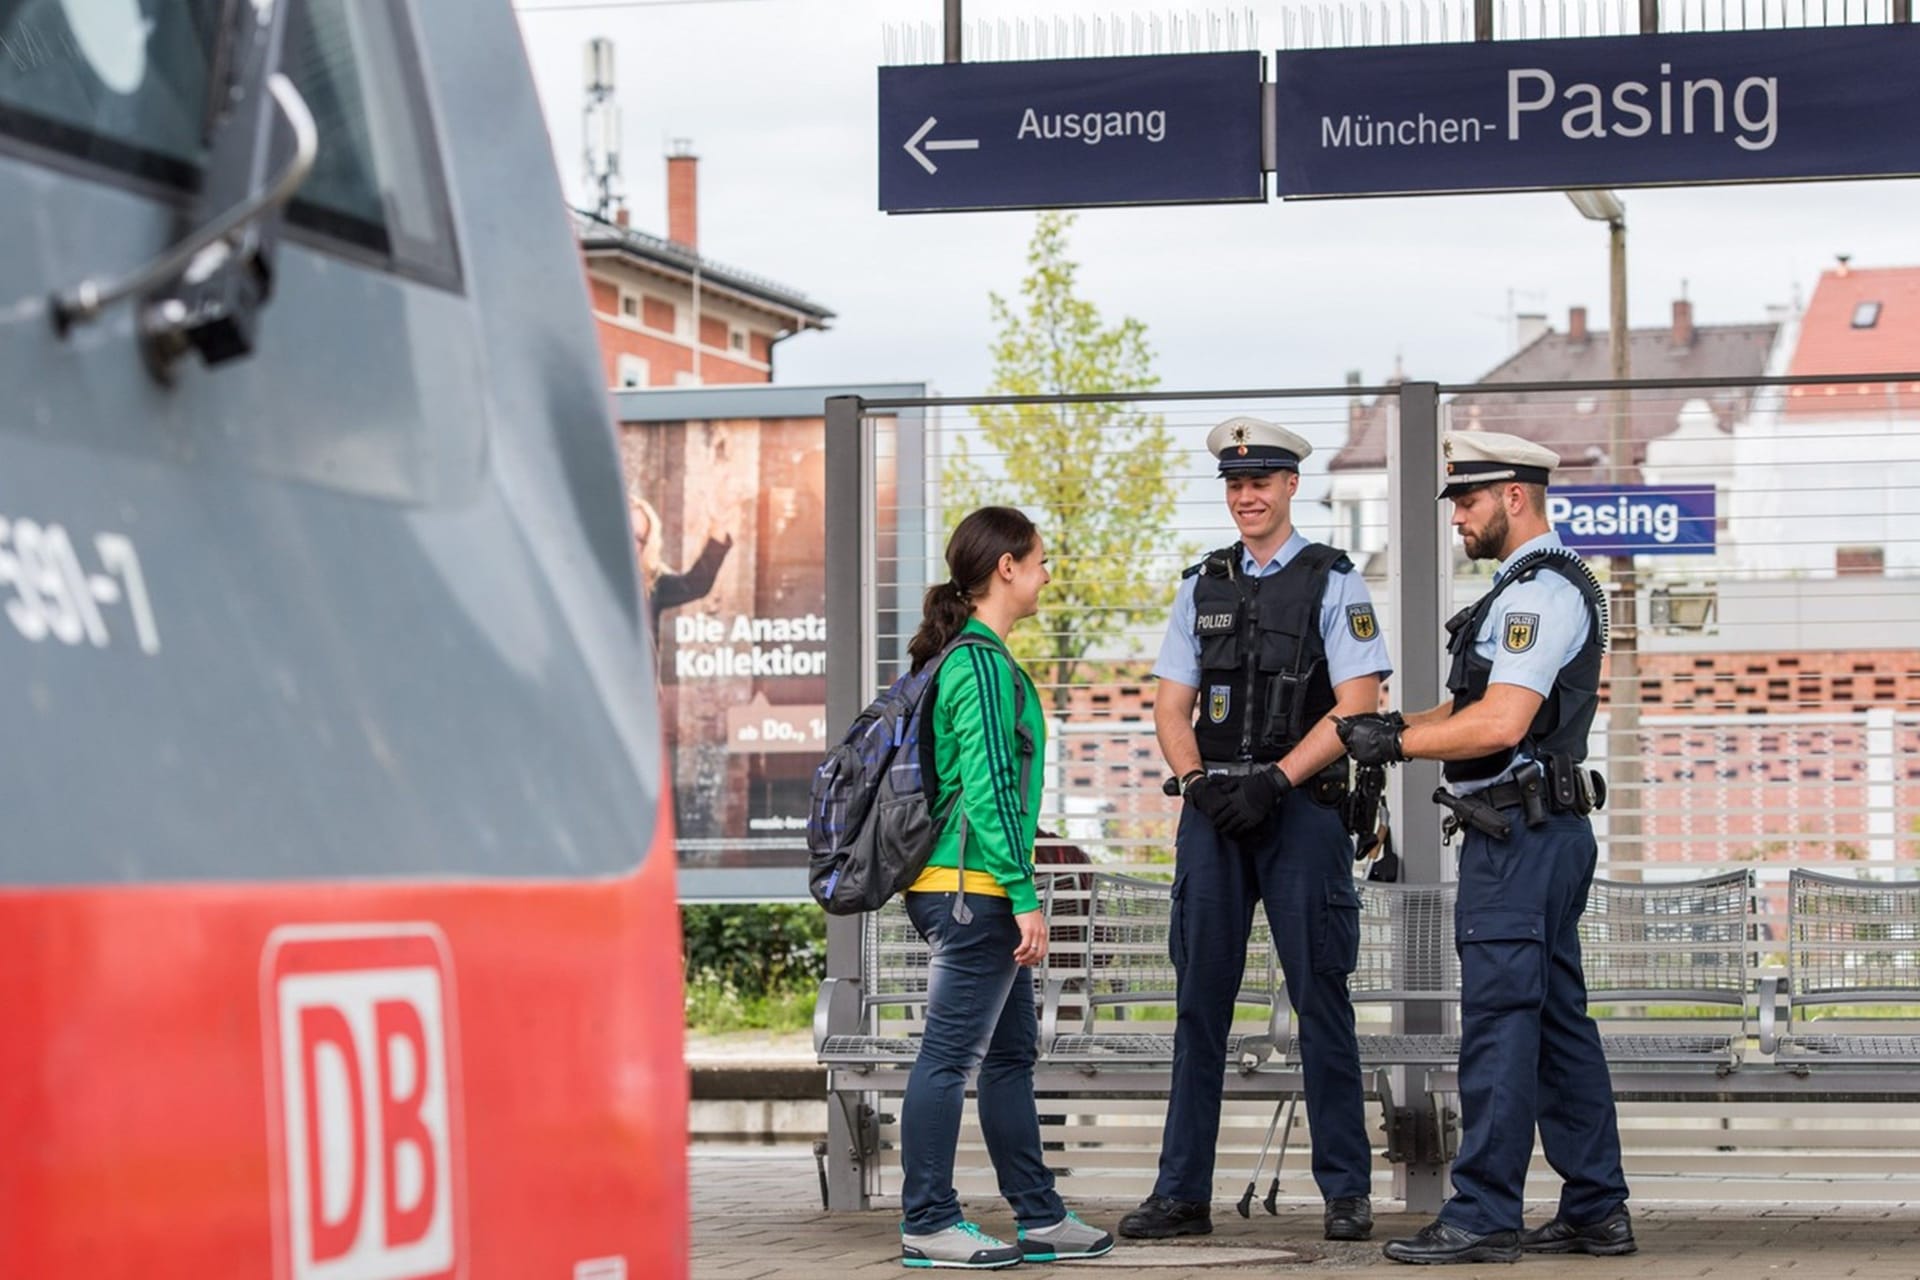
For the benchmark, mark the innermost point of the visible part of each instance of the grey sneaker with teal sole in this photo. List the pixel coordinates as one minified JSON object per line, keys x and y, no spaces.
{"x":1066,"y":1239}
{"x":960,"y":1245}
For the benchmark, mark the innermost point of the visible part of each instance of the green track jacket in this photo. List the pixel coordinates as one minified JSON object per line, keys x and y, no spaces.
{"x":974,"y":745}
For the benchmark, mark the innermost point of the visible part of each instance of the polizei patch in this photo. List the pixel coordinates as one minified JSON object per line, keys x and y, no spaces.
{"x":1522,"y":630}
{"x":1360,"y":623}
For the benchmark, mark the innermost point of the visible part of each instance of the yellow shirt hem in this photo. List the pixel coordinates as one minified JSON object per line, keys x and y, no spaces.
{"x":946,"y":880}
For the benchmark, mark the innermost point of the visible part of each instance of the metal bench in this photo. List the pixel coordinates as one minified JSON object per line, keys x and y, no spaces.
{"x":893,"y":974}
{"x":1126,"y":967}
{"x":1666,"y":949}
{"x":1653,"y":953}
{"x":1406,"y":955}
{"x":1852,"y":945}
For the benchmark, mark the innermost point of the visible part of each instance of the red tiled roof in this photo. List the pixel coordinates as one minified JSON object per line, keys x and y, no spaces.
{"x":1829,"y":342}
{"x":1573,"y":424}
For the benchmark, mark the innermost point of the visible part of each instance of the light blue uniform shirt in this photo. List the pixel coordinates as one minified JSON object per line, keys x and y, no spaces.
{"x":1348,"y":657}
{"x":1552,"y":614}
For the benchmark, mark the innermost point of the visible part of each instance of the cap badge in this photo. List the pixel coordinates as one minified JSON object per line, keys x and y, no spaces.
{"x":1243,"y":451}
{"x":1446,"y":447}
{"x":1240,"y":435}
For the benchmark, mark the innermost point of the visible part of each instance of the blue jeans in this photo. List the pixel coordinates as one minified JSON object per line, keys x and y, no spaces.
{"x":1529,"y":1054}
{"x":979,"y":1014}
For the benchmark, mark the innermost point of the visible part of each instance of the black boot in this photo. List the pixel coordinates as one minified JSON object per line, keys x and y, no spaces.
{"x":1159,"y":1217}
{"x":1348,"y":1218}
{"x":1439,"y":1242}
{"x":1607,"y":1238}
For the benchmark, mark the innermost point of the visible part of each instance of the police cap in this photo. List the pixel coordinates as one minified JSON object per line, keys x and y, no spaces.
{"x":1474,"y":458}
{"x":1254,"y":446}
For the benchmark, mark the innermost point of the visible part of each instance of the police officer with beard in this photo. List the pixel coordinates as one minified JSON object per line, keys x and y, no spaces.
{"x":1266,"y":639}
{"x":1525,"y":679}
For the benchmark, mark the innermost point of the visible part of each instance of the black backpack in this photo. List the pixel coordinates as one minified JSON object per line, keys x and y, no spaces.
{"x":870,"y":821}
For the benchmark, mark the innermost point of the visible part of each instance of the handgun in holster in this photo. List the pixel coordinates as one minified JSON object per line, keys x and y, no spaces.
{"x":1470,"y":811}
{"x":1362,"y":808}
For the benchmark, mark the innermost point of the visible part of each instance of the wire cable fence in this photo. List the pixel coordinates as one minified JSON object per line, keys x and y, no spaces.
{"x":1759,"y":540}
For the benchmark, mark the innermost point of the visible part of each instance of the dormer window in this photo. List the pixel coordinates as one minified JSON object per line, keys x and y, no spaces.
{"x":1866,"y":315}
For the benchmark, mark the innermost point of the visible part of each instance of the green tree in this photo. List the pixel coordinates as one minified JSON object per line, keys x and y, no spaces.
{"x":1097,"y":475}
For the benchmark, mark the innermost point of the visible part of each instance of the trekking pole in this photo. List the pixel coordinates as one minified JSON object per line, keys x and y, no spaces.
{"x":1280,"y":1157}
{"x":1246,"y":1199}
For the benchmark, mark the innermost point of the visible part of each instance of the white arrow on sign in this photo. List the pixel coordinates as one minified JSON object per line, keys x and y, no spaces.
{"x":945,"y":144}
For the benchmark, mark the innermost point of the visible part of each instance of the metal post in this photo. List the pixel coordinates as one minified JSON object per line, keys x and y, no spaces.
{"x":1902,"y":11}
{"x":1418,"y":568}
{"x":953,"y":30}
{"x":1649,"y":17}
{"x":1483,"y":19}
{"x":1623,"y":721}
{"x":846,"y":503}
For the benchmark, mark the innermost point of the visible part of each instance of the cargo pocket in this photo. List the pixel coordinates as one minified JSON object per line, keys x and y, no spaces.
{"x":1336,"y":946}
{"x":1177,"y":925}
{"x":1503,"y":959}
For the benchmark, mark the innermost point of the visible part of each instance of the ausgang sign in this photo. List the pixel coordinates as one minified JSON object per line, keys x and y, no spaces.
{"x":1171,"y":129}
{"x":1626,"y":111}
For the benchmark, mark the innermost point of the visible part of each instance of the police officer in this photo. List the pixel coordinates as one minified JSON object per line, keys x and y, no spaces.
{"x":1267,"y":637}
{"x":1525,"y":679}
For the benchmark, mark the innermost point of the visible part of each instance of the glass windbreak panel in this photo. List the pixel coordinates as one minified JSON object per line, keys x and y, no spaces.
{"x":124,"y":84}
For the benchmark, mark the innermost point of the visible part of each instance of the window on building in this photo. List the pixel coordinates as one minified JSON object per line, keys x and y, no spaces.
{"x":1860,"y":562}
{"x":736,"y":338}
{"x":629,"y":305}
{"x":633,"y":371}
{"x":1866,"y":315}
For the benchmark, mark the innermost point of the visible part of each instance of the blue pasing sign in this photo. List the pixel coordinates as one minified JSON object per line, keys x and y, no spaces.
{"x":1632,"y":519}
{"x":1171,"y":129}
{"x":1749,"y":106}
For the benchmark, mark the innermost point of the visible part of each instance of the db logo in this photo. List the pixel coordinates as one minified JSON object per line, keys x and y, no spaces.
{"x":363,"y":1103}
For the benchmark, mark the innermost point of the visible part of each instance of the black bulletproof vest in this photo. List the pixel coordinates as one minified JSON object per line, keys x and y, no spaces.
{"x":1560,"y":727}
{"x":1263,"y":663}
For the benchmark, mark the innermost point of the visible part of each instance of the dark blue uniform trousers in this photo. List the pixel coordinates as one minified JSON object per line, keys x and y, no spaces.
{"x":1528,"y":1051}
{"x":1301,"y":867}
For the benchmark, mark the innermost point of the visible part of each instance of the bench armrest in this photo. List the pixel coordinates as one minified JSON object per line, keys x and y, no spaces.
{"x":1770,"y":995}
{"x":1050,"y":1010}
{"x":836,"y":1009}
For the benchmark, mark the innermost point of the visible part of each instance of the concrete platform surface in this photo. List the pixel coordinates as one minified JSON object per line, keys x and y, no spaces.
{"x":757,"y":1216}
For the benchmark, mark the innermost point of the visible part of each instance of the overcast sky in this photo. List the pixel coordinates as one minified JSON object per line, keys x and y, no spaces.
{"x":779,"y":100}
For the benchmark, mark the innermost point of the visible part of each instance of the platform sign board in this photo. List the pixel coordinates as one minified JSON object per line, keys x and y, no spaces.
{"x":1634,"y":519}
{"x":1628,"y":111}
{"x":1165,"y":129}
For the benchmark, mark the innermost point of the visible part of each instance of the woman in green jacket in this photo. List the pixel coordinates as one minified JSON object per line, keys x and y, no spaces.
{"x":977,"y":908}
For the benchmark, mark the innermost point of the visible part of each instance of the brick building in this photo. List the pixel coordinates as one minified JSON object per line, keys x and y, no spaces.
{"x":669,"y":317}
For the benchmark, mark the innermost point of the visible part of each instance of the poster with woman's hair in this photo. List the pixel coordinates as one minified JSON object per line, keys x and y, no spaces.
{"x":729,"y":527}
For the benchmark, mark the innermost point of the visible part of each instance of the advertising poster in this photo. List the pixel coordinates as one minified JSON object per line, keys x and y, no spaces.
{"x":729,"y":529}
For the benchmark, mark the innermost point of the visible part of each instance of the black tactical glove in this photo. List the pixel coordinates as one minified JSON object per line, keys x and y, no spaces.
{"x":1210,"y":795}
{"x":1255,"y":796}
{"x":1372,"y":738}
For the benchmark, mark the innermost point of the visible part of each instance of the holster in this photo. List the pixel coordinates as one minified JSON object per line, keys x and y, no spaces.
{"x":1531,"y":778}
{"x":1470,"y":811}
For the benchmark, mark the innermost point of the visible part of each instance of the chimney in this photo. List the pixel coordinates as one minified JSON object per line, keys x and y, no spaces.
{"x":683,"y":195}
{"x":620,"y":216}
{"x":1529,"y":328}
{"x":1577,"y":326}
{"x":1682,"y":323}
{"x":1845,"y":259}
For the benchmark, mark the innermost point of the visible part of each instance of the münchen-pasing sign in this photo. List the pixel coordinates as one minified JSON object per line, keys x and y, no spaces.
{"x":1172,"y":129}
{"x":1634,"y":519}
{"x":1624,"y":111}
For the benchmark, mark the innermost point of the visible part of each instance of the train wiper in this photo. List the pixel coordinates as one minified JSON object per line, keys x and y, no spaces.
{"x":206,"y":291}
